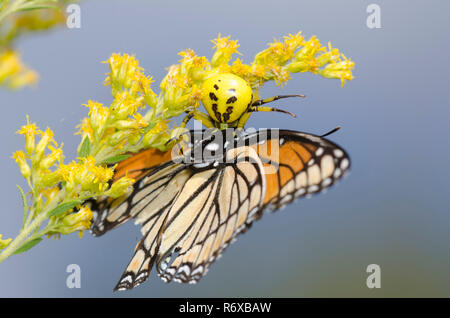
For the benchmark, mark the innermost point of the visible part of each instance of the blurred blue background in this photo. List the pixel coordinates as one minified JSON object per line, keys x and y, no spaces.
{"x":392,"y":210}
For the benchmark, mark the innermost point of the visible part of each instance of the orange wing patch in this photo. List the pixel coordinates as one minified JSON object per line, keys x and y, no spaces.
{"x":291,"y":158}
{"x":137,"y":165}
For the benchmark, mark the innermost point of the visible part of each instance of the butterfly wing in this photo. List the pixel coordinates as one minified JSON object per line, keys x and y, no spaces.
{"x":190,"y":215}
{"x":109,"y":213}
{"x":298,"y":164}
{"x":191,"y":212}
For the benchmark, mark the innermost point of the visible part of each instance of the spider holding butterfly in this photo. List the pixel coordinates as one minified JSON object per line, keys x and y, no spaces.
{"x":191,"y":208}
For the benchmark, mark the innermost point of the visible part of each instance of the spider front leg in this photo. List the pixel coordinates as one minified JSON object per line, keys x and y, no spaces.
{"x":203,"y":118}
{"x":260,"y":102}
{"x":256,"y":107}
{"x":268,"y":109}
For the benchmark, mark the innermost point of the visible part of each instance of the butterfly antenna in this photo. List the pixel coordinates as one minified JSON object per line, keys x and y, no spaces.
{"x":331,"y":131}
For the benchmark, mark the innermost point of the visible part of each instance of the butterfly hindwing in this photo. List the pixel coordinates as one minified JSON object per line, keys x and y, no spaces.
{"x":301,"y":165}
{"x":236,"y":196}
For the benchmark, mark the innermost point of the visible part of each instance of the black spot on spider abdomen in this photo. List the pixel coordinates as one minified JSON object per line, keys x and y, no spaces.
{"x":226,"y":116}
{"x":213,"y":96}
{"x":231,"y":100}
{"x":216,"y":112}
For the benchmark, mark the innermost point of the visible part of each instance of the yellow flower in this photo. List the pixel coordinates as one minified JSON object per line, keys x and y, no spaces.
{"x":49,"y":179}
{"x":98,"y":114}
{"x":224,"y":49}
{"x":180,"y":81}
{"x":330,"y":56}
{"x":46,"y":138}
{"x":55,"y":155}
{"x":304,"y":65}
{"x":86,"y":175}
{"x":49,"y":193}
{"x":309,"y":49}
{"x":144,"y":84}
{"x":125,"y":105}
{"x":193,"y":66}
{"x":187,"y":55}
{"x":225,"y":44}
{"x":294,"y":41}
{"x":280,"y":74}
{"x":123,"y":71}
{"x":19,"y":157}
{"x":341,"y":70}
{"x":29,"y":131}
{"x":120,"y":137}
{"x":155,"y":133}
{"x":258,"y":75}
{"x":25,"y":78}
{"x":77,"y":221}
{"x":120,"y":187}
{"x":13,"y":72}
{"x":85,"y":129}
{"x":240,"y":69}
{"x":196,"y":95}
{"x":191,"y":63}
{"x":10,"y":64}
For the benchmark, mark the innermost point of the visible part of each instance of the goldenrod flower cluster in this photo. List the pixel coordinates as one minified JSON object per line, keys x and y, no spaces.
{"x":53,"y":183}
{"x":292,"y":54}
{"x":13,"y":73}
{"x":58,"y":190}
{"x":139,"y":118}
{"x":121,"y":128}
{"x":18,"y":18}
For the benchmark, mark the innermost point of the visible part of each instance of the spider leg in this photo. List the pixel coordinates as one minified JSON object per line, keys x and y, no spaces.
{"x":260,"y":102}
{"x":203,"y":118}
{"x":268,"y":109}
{"x":243,"y":120}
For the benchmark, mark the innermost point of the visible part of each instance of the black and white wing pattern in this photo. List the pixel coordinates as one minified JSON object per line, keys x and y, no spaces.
{"x":190,"y":213}
{"x":191,"y":210}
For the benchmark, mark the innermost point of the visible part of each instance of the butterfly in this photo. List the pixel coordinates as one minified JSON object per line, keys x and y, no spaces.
{"x":194,"y":200}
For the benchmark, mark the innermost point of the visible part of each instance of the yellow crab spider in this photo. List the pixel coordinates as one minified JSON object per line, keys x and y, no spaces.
{"x":228,"y":100}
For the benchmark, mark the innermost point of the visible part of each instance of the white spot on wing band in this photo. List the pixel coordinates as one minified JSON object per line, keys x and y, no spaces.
{"x":338,"y":153}
{"x":344,"y":164}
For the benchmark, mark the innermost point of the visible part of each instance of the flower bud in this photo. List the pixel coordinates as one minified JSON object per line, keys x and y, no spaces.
{"x":120,"y":187}
{"x":19,"y":157}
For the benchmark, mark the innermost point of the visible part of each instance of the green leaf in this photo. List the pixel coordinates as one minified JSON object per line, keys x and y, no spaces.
{"x":27,"y":246}
{"x":25,"y":205}
{"x":64,"y":207}
{"x":24,"y":199}
{"x":116,"y":159}
{"x":85,"y":148}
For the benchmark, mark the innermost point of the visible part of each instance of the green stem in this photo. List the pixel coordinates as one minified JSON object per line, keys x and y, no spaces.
{"x":21,"y":238}
{"x":24,"y":235}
